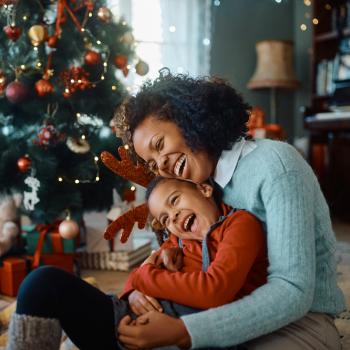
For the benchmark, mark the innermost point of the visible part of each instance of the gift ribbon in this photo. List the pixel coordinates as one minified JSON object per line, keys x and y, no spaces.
{"x":43,"y":230}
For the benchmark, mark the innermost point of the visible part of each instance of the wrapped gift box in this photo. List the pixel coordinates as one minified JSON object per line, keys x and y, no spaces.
{"x":12,"y":273}
{"x":53,"y":242}
{"x":63,"y":261}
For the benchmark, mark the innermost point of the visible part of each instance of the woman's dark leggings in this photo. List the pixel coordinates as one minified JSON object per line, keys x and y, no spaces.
{"x":85,"y":313}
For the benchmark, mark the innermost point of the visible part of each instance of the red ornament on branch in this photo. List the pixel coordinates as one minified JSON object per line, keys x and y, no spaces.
{"x":75,"y":78}
{"x":13,"y":32}
{"x":16,"y":91}
{"x":24,"y":163}
{"x":43,"y":87}
{"x":92,"y":58}
{"x":121,"y":61}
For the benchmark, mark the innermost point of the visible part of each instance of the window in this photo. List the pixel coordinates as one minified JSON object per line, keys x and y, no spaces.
{"x":168,"y":33}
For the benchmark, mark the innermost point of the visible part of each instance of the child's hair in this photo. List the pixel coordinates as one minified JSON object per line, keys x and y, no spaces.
{"x":161,"y":232}
{"x":209,"y":112}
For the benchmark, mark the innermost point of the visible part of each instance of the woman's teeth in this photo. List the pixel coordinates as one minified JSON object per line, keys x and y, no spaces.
{"x":188,"y":222}
{"x":179,"y":166}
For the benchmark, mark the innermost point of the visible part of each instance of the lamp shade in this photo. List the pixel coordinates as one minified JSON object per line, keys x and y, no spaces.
{"x":274,"y":66}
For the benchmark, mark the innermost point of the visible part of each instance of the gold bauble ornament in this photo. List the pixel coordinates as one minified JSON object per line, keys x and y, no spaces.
{"x":37,"y":34}
{"x":68,"y":229}
{"x":142,"y":68}
{"x":104,"y":14}
{"x":128,"y":38}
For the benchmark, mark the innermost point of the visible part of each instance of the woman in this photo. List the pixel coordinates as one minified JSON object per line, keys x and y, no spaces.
{"x":195,"y":129}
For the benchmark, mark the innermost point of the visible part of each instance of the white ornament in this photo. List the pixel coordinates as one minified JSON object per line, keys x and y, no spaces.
{"x":31,"y":198}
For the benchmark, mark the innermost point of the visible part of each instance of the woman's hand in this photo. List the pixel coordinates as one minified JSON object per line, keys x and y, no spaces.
{"x":153,"y":330}
{"x":141,"y":303}
{"x":171,"y":259}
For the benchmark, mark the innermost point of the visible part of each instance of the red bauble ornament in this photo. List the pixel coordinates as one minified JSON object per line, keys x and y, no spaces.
{"x":92,"y":58}
{"x":68,"y":229}
{"x":43,"y":87}
{"x":120,"y":61}
{"x":52,"y":41}
{"x":24,"y":163}
{"x":16,"y":91}
{"x":13,"y":32}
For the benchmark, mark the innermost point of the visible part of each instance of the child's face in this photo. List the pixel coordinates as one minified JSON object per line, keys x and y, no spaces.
{"x":187,"y":210}
{"x":161,"y":144}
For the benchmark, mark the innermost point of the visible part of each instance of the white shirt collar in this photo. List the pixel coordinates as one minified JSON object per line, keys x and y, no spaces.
{"x":228,"y":161}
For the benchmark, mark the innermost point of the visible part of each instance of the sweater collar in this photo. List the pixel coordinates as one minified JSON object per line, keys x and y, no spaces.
{"x":228,"y":161}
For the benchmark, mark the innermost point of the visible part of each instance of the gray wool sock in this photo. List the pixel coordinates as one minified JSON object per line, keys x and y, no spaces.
{"x":33,"y":333}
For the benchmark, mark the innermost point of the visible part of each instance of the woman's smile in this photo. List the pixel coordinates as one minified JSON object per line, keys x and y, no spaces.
{"x":161,"y":145}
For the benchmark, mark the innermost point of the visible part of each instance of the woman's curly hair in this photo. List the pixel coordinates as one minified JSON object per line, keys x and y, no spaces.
{"x":209,"y":112}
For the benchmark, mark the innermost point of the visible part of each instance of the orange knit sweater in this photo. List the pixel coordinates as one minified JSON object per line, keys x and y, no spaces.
{"x":238,"y":256}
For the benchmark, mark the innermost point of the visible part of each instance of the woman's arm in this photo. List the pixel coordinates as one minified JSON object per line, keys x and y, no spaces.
{"x":288,"y":295}
{"x":285,"y":298}
{"x":243,"y":240}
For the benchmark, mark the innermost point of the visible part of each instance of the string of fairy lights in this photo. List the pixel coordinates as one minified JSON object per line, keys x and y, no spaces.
{"x":315,"y":21}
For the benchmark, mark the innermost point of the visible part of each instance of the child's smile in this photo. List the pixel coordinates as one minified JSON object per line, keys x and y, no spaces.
{"x":186,"y":209}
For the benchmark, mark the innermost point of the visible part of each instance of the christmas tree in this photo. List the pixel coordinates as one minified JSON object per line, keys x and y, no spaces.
{"x":58,"y":92}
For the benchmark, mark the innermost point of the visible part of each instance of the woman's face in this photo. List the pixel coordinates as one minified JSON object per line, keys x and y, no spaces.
{"x":161,"y":144}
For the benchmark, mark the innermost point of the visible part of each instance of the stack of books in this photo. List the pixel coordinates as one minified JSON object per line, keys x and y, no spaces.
{"x":122,"y":260}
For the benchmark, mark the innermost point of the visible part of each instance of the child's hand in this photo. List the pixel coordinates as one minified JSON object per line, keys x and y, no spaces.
{"x":141,"y":303}
{"x":152,"y":259}
{"x":171,"y":259}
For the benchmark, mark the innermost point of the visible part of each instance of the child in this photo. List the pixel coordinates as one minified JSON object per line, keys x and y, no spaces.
{"x":224,"y":250}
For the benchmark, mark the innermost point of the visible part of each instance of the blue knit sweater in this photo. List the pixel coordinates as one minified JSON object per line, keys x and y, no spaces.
{"x":278,"y":186}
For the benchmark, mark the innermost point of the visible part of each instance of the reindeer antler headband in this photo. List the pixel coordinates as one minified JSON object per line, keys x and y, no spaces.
{"x":139,"y":174}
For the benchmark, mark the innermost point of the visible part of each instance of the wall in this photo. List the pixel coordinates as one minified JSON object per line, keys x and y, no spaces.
{"x":236,"y":26}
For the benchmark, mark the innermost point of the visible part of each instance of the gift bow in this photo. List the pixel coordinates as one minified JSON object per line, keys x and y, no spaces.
{"x":43,"y":230}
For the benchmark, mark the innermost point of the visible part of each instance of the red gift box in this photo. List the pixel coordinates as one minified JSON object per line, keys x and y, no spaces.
{"x":12,"y":273}
{"x":63,"y":261}
{"x":58,"y":258}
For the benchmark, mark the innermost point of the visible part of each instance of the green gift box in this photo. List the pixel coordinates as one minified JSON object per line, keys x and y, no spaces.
{"x":53,"y":242}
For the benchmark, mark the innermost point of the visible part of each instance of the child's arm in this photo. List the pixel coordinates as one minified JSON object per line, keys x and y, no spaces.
{"x":242,"y":242}
{"x":128,"y":287}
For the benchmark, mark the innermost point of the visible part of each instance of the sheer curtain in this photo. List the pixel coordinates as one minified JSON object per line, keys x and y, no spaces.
{"x":168,"y":33}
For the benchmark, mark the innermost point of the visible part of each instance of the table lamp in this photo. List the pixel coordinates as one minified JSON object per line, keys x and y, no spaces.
{"x":274,"y":70}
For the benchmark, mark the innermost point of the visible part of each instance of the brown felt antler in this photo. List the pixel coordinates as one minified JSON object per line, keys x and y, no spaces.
{"x":135,"y":173}
{"x":126,"y":167}
{"x":126,"y":222}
